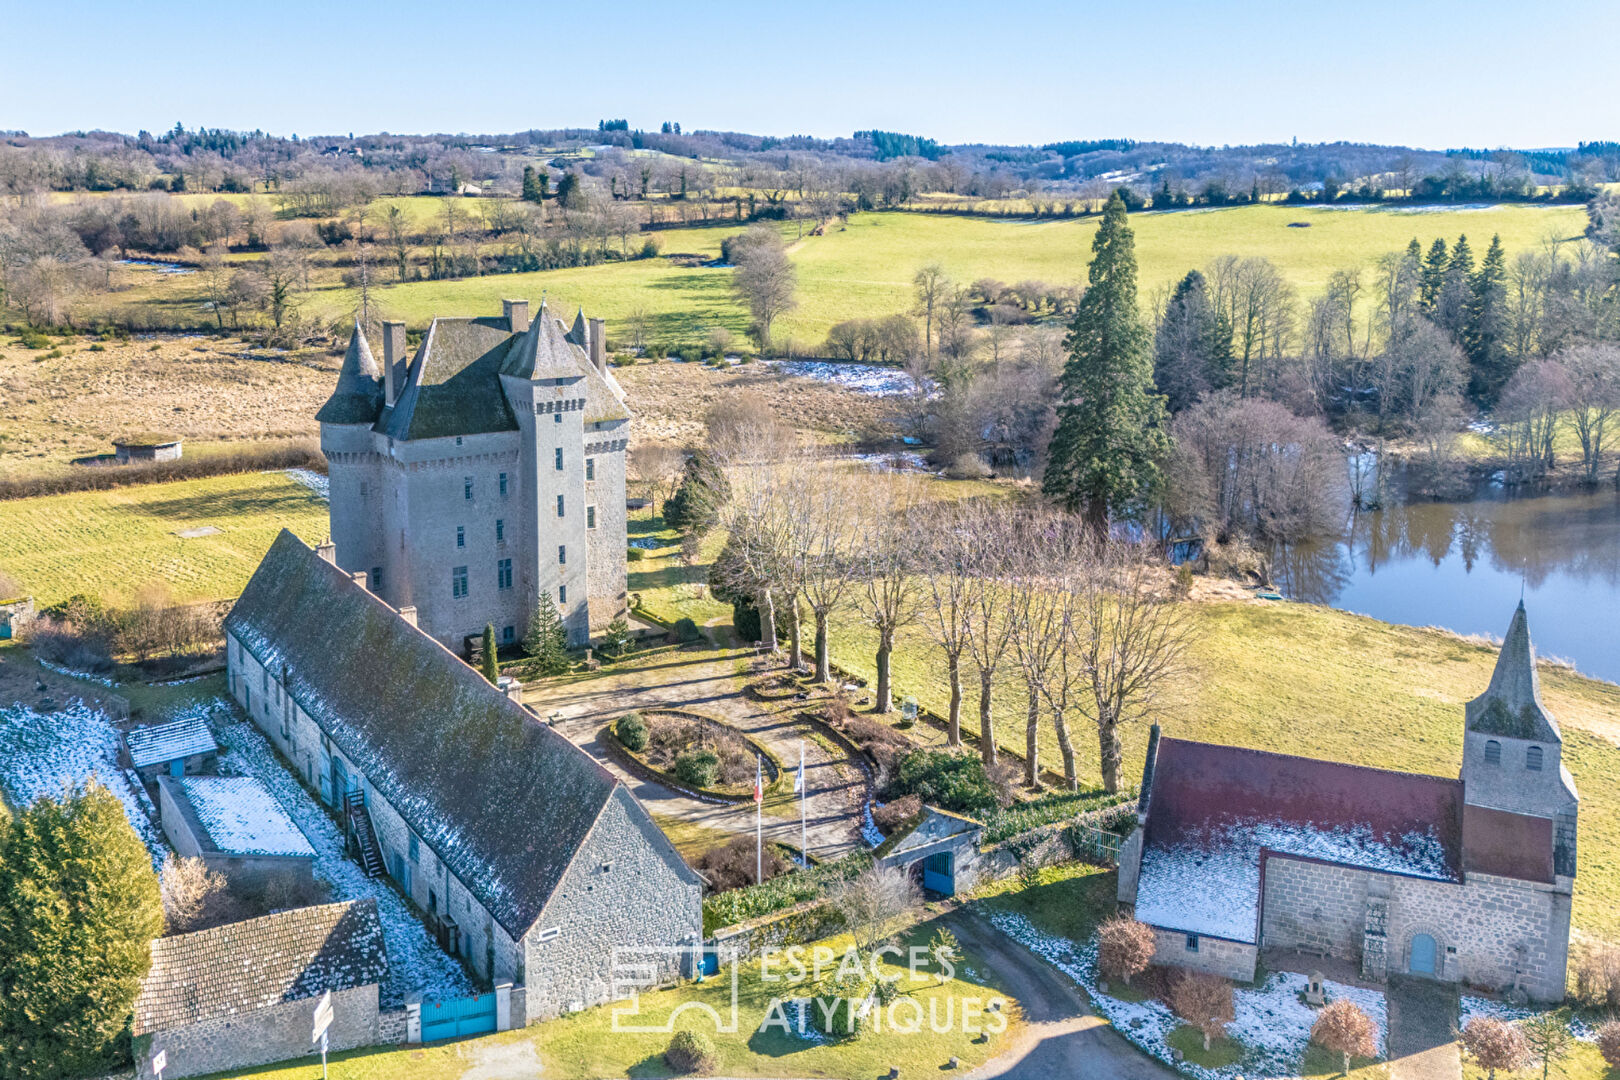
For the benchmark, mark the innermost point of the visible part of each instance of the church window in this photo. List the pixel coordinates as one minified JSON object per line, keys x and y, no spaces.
{"x":590,"y":468}
{"x":503,"y":574}
{"x":461,"y":536}
{"x":562,"y":554}
{"x":1532,"y":759}
{"x":559,"y":506}
{"x":500,"y":531}
{"x":503,"y":485}
{"x":1192,"y":942}
{"x":365,"y":489}
{"x":1493,"y":752}
{"x":562,"y":594}
{"x":458,"y":582}
{"x":590,"y":517}
{"x":466,"y":487}
{"x":559,"y":459}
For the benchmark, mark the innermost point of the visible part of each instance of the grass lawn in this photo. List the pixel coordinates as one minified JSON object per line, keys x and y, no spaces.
{"x":585,"y":1045}
{"x":111,"y":543}
{"x":1190,"y":1041}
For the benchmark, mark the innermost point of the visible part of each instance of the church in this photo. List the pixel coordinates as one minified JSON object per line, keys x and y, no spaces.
{"x":483,"y":475}
{"x":1470,"y":880}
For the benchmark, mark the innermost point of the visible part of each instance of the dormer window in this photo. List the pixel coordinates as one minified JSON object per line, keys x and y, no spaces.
{"x":1532,"y":759}
{"x":1493,"y":752}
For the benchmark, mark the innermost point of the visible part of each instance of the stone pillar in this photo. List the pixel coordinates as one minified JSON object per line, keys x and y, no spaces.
{"x":503,"y":1007}
{"x":413,"y":1022}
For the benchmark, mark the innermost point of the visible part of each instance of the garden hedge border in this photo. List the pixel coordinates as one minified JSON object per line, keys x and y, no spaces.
{"x":634,"y":763}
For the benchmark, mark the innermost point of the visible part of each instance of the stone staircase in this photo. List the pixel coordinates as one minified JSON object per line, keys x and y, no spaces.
{"x":364,"y":837}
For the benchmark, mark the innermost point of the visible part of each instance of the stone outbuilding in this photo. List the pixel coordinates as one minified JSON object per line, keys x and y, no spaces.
{"x":939,"y":849}
{"x":179,"y":748}
{"x":138,"y":449}
{"x":527,"y":858}
{"x":244,"y":994}
{"x":236,"y":827}
{"x":1466,"y":880}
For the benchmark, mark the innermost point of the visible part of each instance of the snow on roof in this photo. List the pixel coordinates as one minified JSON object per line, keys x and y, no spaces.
{"x":242,"y":817}
{"x":168,"y":742}
{"x":1209,"y":881}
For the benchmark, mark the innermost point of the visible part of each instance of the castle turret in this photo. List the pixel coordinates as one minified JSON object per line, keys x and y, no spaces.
{"x":346,"y":421}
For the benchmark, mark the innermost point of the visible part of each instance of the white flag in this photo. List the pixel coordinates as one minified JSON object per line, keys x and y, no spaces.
{"x":798,"y":778}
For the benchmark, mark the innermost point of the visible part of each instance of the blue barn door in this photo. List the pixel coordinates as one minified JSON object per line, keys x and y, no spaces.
{"x":458,"y":1018}
{"x":938,"y":875}
{"x":1423,"y":950}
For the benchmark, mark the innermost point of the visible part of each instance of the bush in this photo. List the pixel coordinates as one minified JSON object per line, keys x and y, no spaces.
{"x":739,"y":905}
{"x":1204,"y":1001}
{"x":1597,"y":977}
{"x":1125,"y":948}
{"x":967,"y":467}
{"x":631,"y":731}
{"x":697,"y":767}
{"x":634,"y":554}
{"x":735,"y":864}
{"x":686,"y":631}
{"x":948,"y":779}
{"x":891,"y":815}
{"x":691,"y":1053}
{"x":1608,"y":1041}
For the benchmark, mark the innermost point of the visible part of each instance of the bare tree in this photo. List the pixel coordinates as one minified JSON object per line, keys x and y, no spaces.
{"x":947,"y":559}
{"x":931,"y":285}
{"x":1529,"y":411}
{"x":659,"y":466}
{"x":764,"y":279}
{"x":1259,"y":304}
{"x":189,"y":889}
{"x":1495,"y":1044}
{"x":1594,"y":397}
{"x":1342,"y":1028}
{"x":824,"y":545}
{"x":216,"y":279}
{"x":1037,"y":611}
{"x":887,"y":569}
{"x":1204,"y":1001}
{"x":990,"y":618}
{"x":875,"y":904}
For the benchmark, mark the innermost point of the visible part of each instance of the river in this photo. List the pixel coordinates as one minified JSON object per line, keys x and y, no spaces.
{"x":1461,"y":565}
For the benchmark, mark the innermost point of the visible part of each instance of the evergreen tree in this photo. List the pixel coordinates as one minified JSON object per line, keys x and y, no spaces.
{"x":1110,"y":440}
{"x":489,"y":663}
{"x":79,"y":906}
{"x":531,"y":185}
{"x":546,"y":641}
{"x":1192,"y":349}
{"x":545,"y":185}
{"x":695,"y":506}
{"x":1484,"y":330}
{"x":1433,"y":277}
{"x":1455,"y":289}
{"x":568,"y":190}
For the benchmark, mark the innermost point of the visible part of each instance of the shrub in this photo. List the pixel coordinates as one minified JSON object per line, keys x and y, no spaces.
{"x":686,"y":631}
{"x":634,"y":554}
{"x":691,"y":1053}
{"x":1597,"y":977}
{"x":1341,"y":1027}
{"x":739,"y":905}
{"x":1608,"y":1041}
{"x":649,"y":248}
{"x":967,"y":467}
{"x":631,"y":731}
{"x":736,"y":863}
{"x":947,"y":779}
{"x":1495,"y":1045}
{"x":891,"y":815}
{"x":1124,"y":948}
{"x":1204,"y":1001}
{"x":697,"y":767}
{"x":616,"y":637}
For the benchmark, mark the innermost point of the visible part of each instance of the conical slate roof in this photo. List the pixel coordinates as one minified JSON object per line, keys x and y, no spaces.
{"x":358,"y":396}
{"x":545,"y":352}
{"x":579,"y":334}
{"x":1511,"y":706}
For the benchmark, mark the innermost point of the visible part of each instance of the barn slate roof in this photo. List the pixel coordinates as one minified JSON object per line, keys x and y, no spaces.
{"x":242,"y":967}
{"x":503,"y":800}
{"x":358,"y":396}
{"x":160,"y":743}
{"x":1511,"y":705}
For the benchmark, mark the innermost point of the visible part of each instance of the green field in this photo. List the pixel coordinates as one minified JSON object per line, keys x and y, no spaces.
{"x":865,"y":268}
{"x":110,"y":543}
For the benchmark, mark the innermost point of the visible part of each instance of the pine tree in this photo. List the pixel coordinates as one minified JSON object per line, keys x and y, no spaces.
{"x":1192,"y":348}
{"x":1434,"y":277}
{"x":490,"y":663}
{"x":695,"y":506}
{"x":1488,"y":360}
{"x":1455,"y":289}
{"x":79,"y":906}
{"x":546,"y":642}
{"x":531,"y":185}
{"x":1110,"y":440}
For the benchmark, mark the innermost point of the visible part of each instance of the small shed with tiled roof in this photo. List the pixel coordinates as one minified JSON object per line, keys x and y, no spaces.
{"x":182,"y":747}
{"x":244,"y":994}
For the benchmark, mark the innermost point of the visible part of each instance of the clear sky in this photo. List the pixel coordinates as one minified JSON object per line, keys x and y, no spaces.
{"x":1422,"y":73}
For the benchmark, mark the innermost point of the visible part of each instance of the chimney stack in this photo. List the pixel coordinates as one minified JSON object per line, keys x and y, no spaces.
{"x":393,"y":356}
{"x":517,"y":315}
{"x":359,"y":577}
{"x":598,"y":340}
{"x":514,"y":690}
{"x":328,"y":551}
{"x":408,"y":613}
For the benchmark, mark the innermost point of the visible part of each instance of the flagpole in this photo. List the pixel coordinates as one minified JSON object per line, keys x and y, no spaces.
{"x":759,"y":820}
{"x":804,"y":795}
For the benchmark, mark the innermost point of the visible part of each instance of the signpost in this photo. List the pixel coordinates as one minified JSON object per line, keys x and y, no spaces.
{"x":160,"y":1061}
{"x":323,"y":1020}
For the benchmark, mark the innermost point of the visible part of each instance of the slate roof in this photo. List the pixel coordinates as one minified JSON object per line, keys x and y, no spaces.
{"x":545,"y":351}
{"x":502,"y":799}
{"x":453,"y":386}
{"x":242,"y":967}
{"x":240,"y":816}
{"x":358,"y":396}
{"x":168,"y":742}
{"x":930,"y":827}
{"x":1511,"y":706}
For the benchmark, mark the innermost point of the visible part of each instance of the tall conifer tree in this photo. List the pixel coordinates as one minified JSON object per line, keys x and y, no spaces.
{"x":1484,"y":332}
{"x":1434,"y":276}
{"x":1110,"y":442}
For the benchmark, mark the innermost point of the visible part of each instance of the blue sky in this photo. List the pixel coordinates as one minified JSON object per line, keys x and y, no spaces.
{"x":1484,"y":73}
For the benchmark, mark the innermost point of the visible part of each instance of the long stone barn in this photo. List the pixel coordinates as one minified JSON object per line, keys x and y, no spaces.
{"x":1462,"y":880}
{"x":527,"y":858}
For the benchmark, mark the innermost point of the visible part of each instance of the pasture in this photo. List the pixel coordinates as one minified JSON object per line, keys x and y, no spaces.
{"x":111,"y":543}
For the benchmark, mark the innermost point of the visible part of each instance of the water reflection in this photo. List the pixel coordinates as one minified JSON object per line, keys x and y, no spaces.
{"x":1461,"y":565}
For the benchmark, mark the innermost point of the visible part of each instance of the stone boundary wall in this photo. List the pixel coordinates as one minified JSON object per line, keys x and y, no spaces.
{"x":800,"y":924}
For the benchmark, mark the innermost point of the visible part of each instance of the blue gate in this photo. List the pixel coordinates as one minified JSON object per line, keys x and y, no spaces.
{"x":937,"y":874}
{"x":454,"y":1019}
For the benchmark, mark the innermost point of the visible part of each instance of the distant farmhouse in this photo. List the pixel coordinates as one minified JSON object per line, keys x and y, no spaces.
{"x":1466,"y":880}
{"x":484,"y":475}
{"x":528,"y":859}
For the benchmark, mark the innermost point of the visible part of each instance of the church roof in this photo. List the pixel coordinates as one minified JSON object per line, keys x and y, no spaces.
{"x":503,"y":800}
{"x":454,"y":386}
{"x":358,"y":395}
{"x":1511,"y":706}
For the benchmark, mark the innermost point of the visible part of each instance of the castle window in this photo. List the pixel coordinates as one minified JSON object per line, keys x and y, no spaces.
{"x":376,"y":579}
{"x":1192,"y":942}
{"x":503,"y":574}
{"x":415,"y":849}
{"x":458,"y":582}
{"x":508,"y":633}
{"x":466,"y":487}
{"x":1532,"y":759}
{"x":1493,"y":752}
{"x":556,"y":417}
{"x":458,"y":440}
{"x":500,"y":531}
{"x":461,"y":536}
{"x":503,"y":485}
{"x":559,"y":506}
{"x":559,"y":459}
{"x":562,"y":594}
{"x":365,"y":489}
{"x":590,"y":468}
{"x":562,"y":554}
{"x":590,"y":517}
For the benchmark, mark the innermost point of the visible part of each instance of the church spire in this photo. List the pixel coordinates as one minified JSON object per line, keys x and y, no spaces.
{"x":1511,"y":706}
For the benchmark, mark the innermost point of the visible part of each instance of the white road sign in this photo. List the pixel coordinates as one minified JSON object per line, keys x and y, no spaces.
{"x":323,"y":1017}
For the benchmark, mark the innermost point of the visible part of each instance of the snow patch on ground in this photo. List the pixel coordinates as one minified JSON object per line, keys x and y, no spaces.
{"x":416,"y":964}
{"x":317,"y":483}
{"x":895,"y":461}
{"x":49,"y":753}
{"x":861,"y":378}
{"x":1210,"y":882}
{"x":1271,"y":1022}
{"x":869,"y":830}
{"x":70,"y":673}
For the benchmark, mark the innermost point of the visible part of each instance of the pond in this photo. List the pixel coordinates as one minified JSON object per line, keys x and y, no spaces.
{"x":1461,"y":565}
